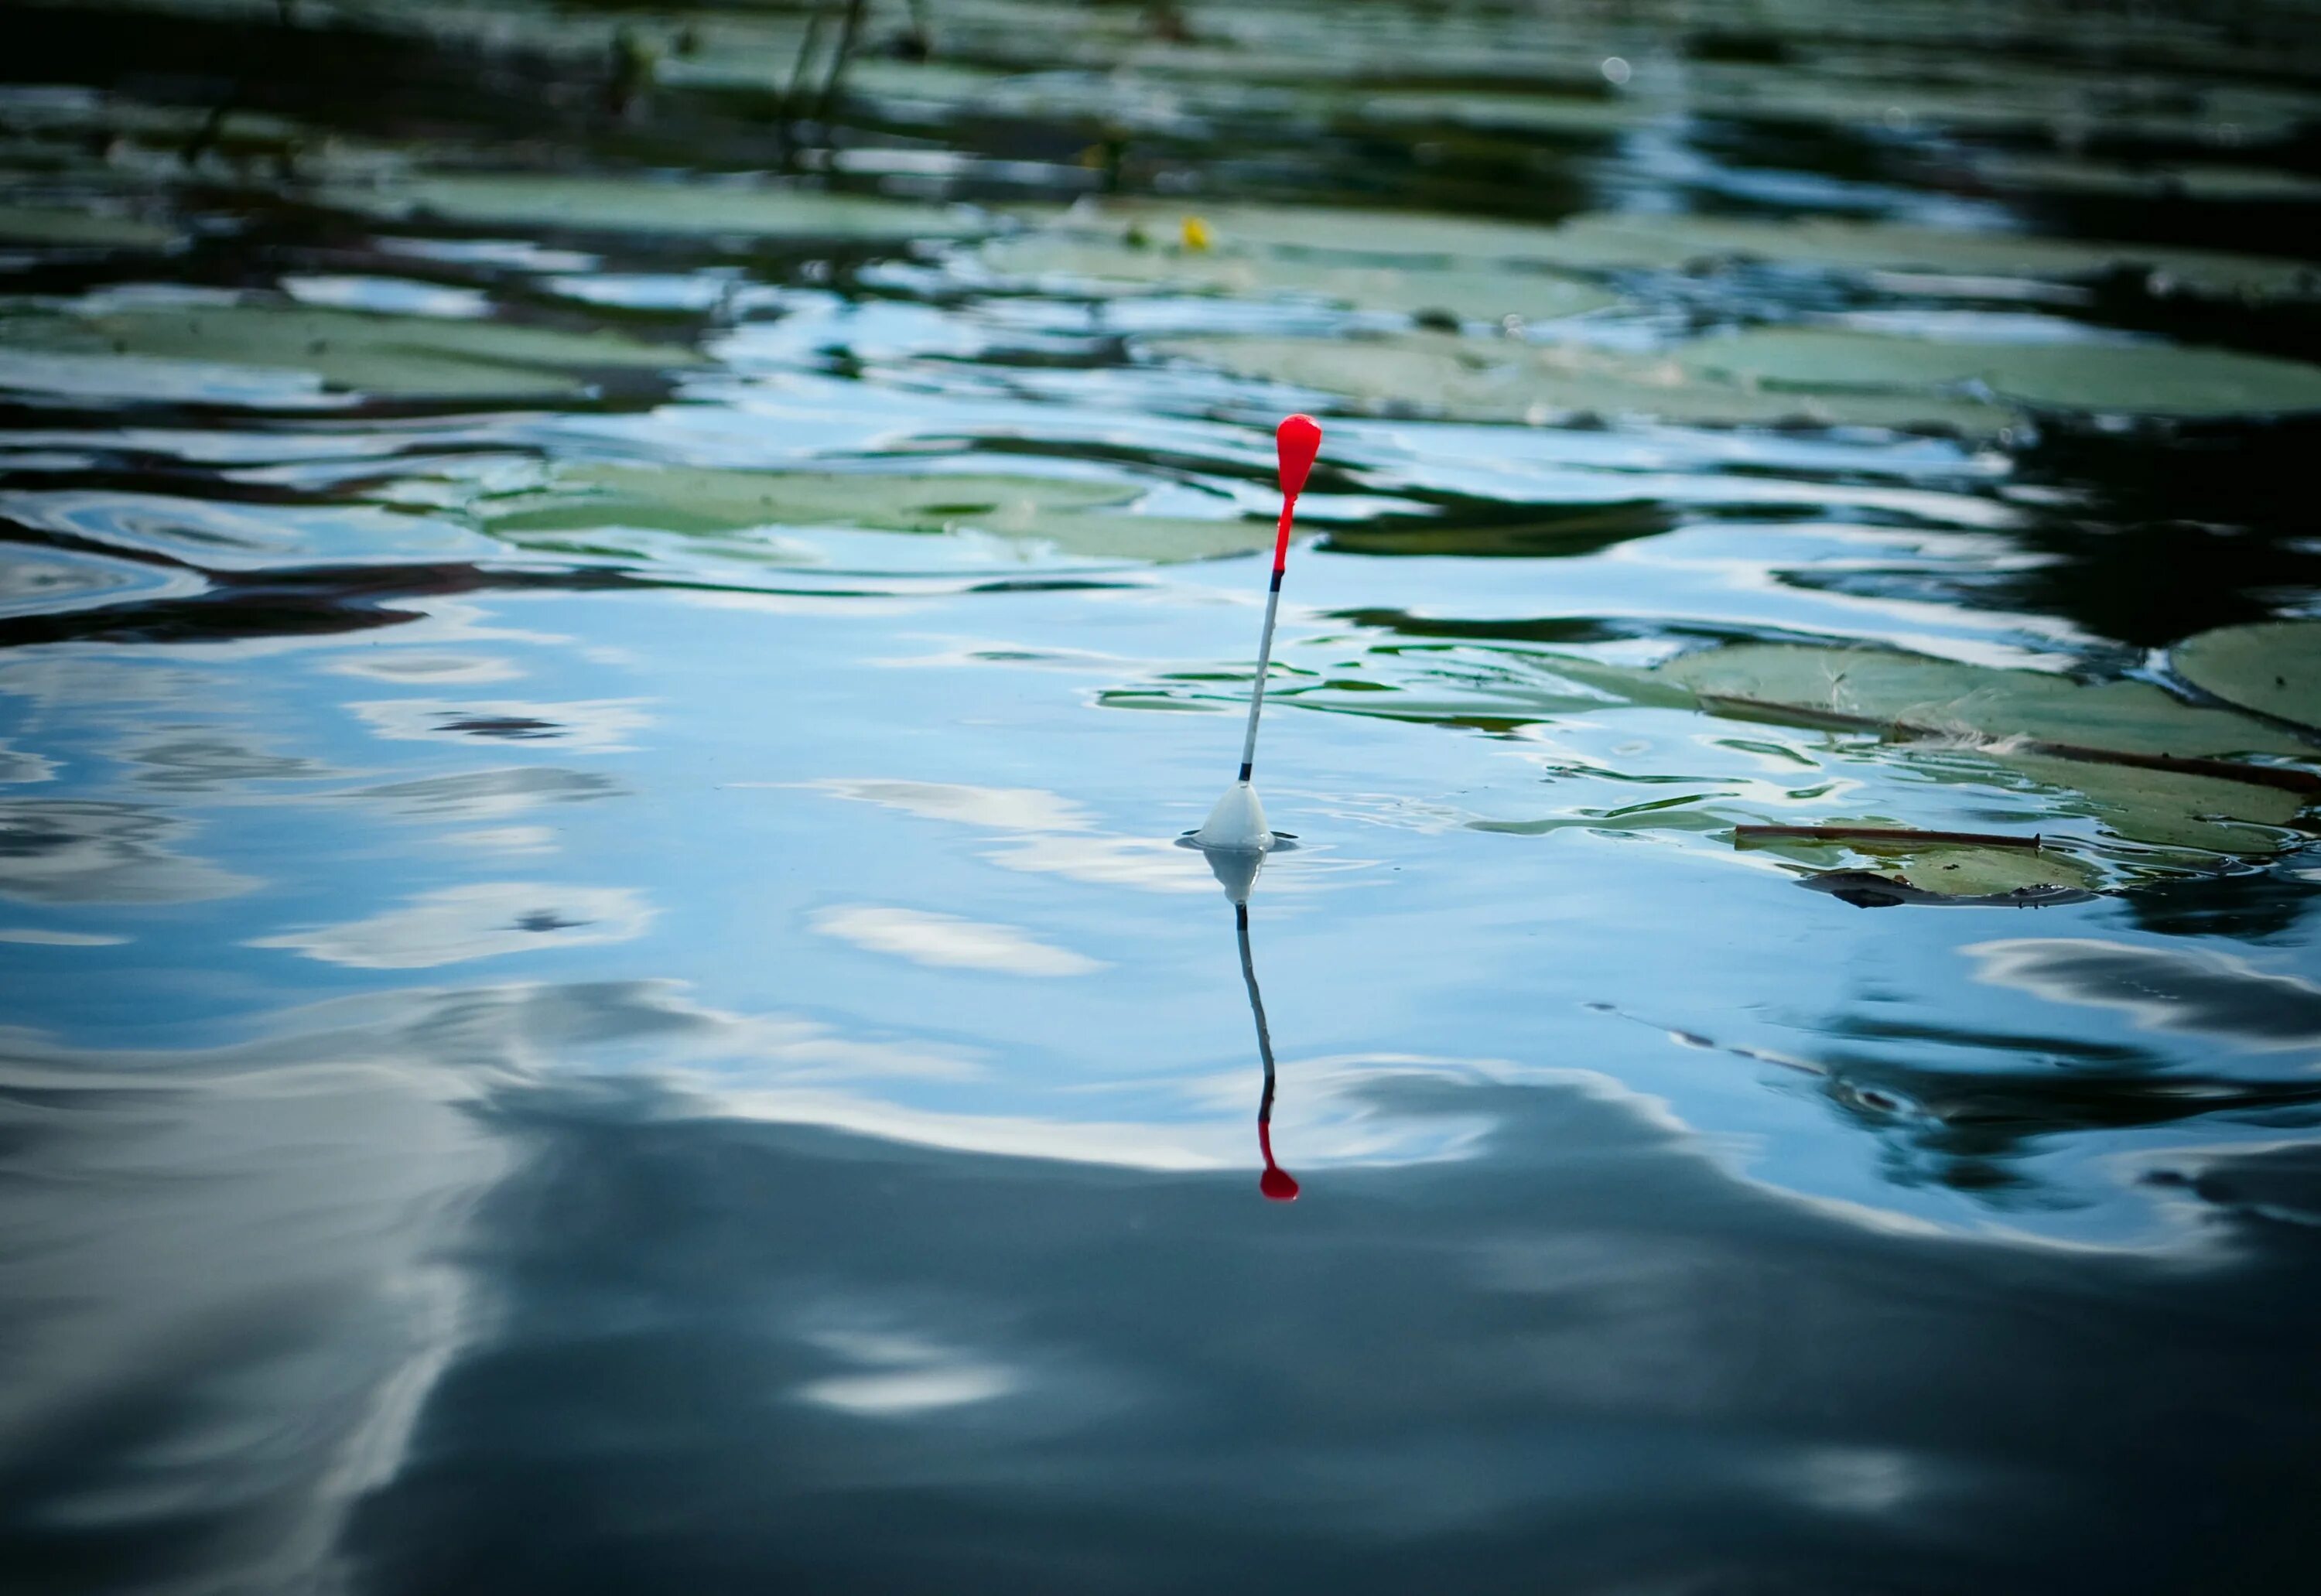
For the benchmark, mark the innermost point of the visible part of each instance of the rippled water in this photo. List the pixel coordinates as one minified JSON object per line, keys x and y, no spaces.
{"x":600,"y":670}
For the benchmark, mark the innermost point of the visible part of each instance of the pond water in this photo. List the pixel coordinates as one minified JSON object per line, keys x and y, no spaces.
{"x":606,"y":636}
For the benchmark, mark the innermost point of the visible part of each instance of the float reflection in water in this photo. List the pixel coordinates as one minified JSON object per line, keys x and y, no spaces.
{"x":1236,"y":870}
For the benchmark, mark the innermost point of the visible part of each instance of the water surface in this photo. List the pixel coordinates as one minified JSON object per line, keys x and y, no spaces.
{"x":603,"y":653}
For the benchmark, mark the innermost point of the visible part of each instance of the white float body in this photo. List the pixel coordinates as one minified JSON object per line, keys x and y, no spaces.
{"x":1237,"y":821}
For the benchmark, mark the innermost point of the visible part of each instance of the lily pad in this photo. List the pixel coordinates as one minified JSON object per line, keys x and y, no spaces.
{"x":641,"y":204}
{"x":1882,"y":687}
{"x":1075,"y":515}
{"x":2167,"y":808}
{"x":1960,"y":748}
{"x":1507,"y":380}
{"x":1872,"y":889}
{"x":2136,"y":378}
{"x":1875,"y":873}
{"x":404,"y":356}
{"x":1335,"y":230}
{"x":1563,"y":116}
{"x":1623,"y":240}
{"x":80,"y":229}
{"x":1470,"y":292}
{"x":2274,"y":667}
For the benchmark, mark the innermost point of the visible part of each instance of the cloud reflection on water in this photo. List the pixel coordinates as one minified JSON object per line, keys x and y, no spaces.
{"x":478,"y":920}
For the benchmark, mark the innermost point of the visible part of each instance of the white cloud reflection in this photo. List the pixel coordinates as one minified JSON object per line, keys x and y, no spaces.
{"x":949,"y":941}
{"x":478,"y":921}
{"x":902,"y":1376}
{"x":1044,"y":834}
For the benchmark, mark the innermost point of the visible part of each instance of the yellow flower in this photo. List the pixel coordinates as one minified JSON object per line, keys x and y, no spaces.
{"x":1196,"y":234}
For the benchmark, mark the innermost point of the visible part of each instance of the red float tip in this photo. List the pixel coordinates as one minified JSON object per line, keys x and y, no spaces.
{"x":1300,"y":440}
{"x":1276,"y":1183}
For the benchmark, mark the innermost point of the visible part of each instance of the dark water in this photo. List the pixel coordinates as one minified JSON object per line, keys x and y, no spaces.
{"x":604,"y":643}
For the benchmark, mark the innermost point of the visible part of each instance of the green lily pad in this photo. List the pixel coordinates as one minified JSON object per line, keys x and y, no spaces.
{"x":1507,"y":380}
{"x":1881,"y":686}
{"x":1942,"y":870}
{"x":1410,"y":235}
{"x":1470,"y":292}
{"x":1551,"y":114}
{"x":2210,"y":182}
{"x":640,"y":205}
{"x":2167,"y":808}
{"x":405,"y":356}
{"x":2273,"y":667}
{"x":1964,"y":747}
{"x":1876,"y":889}
{"x":80,"y":229}
{"x":2138,"y":378}
{"x":1619,"y":241}
{"x":1074,"y":514}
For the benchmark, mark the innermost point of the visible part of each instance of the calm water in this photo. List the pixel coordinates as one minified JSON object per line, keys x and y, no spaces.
{"x":602,"y":654}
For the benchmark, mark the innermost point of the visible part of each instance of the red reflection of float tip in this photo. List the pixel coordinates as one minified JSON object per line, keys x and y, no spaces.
{"x":1298,"y":439}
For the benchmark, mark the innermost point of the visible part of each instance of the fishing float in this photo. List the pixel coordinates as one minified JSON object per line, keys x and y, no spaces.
{"x":1236,"y":822}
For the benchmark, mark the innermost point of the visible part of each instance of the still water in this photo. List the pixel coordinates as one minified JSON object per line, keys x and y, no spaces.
{"x":606,"y":635}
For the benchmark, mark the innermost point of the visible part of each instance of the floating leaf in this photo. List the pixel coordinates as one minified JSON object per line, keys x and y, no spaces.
{"x":1471,"y":292}
{"x":2167,"y":808}
{"x":1872,"y":890}
{"x":1606,"y":242}
{"x":1506,"y":531}
{"x":1884,"y":686}
{"x":1905,"y":870}
{"x":2273,"y":667}
{"x":379,"y":354}
{"x":2133,"y":378}
{"x":1507,"y":380}
{"x":1078,"y":516}
{"x":638,"y":205}
{"x":2178,"y":181}
{"x":80,"y":229}
{"x":1961,"y":747}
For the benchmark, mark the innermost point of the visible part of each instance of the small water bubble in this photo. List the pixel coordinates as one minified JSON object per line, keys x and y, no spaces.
{"x":1616,"y":71}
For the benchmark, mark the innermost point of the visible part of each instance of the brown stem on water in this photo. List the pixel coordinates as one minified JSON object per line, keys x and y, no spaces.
{"x":847,"y":35}
{"x":793,"y":97}
{"x":1877,"y":834}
